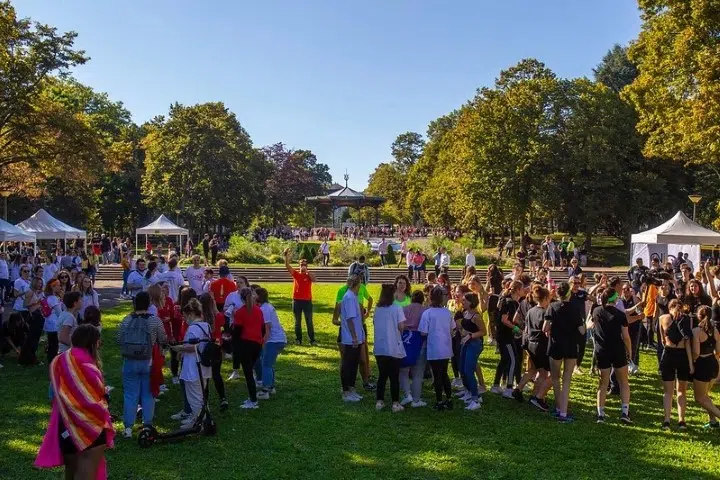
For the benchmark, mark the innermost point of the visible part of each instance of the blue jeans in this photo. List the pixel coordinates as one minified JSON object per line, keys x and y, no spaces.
{"x":469,"y":355}
{"x":126,"y":274}
{"x":269,"y":356}
{"x":136,"y":390}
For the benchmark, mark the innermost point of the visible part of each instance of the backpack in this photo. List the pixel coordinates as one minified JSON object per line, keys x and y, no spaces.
{"x":136,"y":341}
{"x":358,"y":269}
{"x":45,"y":308}
{"x":211,"y":354}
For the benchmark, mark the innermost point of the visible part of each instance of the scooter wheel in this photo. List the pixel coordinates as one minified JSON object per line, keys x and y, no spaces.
{"x":145,"y":439}
{"x":209,"y":427}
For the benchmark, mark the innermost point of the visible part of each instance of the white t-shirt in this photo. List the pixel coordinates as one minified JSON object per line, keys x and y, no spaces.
{"x":388,"y":339}
{"x":409,"y":258}
{"x":189,"y":369}
{"x":444,"y":260}
{"x":89,"y":299}
{"x":22,"y":286}
{"x":195,"y":278}
{"x":136,"y":278}
{"x":56,"y":307}
{"x":350,"y":312}
{"x":438,"y":324}
{"x":470,"y":260}
{"x":324,"y":248}
{"x":66,"y":319}
{"x":277,"y":333}
{"x":232,"y":303}
{"x":175,"y":280}
{"x":383,"y":248}
{"x":49,"y":271}
{"x":153,"y":310}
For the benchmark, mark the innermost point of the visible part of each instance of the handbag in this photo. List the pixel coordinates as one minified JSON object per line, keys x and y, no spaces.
{"x":210,"y":355}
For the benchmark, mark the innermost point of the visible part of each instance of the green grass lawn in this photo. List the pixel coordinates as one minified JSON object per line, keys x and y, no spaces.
{"x":307,"y":432}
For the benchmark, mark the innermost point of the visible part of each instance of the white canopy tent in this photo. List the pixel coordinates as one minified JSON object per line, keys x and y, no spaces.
{"x":47,"y":227}
{"x":162,"y":226}
{"x":679,"y":234}
{"x":11,"y":233}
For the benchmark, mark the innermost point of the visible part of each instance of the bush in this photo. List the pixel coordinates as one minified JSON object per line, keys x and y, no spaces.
{"x":307,"y":254}
{"x":243,"y":250}
{"x":390,"y":257}
{"x":347,"y":251}
{"x":276,"y":259}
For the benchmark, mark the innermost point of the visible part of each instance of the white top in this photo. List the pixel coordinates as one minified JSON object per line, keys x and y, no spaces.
{"x":49,"y":272}
{"x":195,"y":278}
{"x":388,"y":339}
{"x":324,"y":248}
{"x":66,"y":319}
{"x":232,"y":303}
{"x":189,"y":370}
{"x":89,"y":299}
{"x":437,"y":324}
{"x":277,"y":333}
{"x":350,"y":312}
{"x":444,"y":260}
{"x":56,"y":307}
{"x":22,"y":286}
{"x":175,"y":280}
{"x":136,"y":277}
{"x":409,"y":258}
{"x":469,"y":260}
{"x":4,"y":270}
{"x":383,"y":248}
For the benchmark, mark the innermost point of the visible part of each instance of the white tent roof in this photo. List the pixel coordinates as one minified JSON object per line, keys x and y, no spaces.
{"x":678,"y":230}
{"x":11,"y":233}
{"x":162,"y":226}
{"x":47,"y":227}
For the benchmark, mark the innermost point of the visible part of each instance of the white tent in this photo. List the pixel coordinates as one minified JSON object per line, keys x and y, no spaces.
{"x":679,"y":234}
{"x":47,"y":227}
{"x":11,"y":233}
{"x":162,"y":226}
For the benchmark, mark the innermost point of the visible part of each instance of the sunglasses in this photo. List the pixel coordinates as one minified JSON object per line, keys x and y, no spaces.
{"x":24,"y":271}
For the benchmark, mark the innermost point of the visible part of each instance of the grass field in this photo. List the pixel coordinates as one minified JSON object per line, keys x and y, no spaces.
{"x":307,"y":432}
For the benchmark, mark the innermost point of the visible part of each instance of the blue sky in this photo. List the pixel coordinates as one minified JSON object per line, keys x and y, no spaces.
{"x":339,"y":77}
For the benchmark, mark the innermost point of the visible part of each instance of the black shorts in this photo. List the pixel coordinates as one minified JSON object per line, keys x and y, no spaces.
{"x":674,"y":365}
{"x":561,"y":350}
{"x":706,"y":369}
{"x":610,"y":359}
{"x":67,"y":447}
{"x":538,"y":354}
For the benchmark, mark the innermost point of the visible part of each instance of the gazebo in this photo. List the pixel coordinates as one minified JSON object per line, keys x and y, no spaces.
{"x":346,"y":197}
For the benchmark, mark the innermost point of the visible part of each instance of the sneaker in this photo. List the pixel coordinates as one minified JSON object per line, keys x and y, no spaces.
{"x":356,"y":395}
{"x":272,"y":391}
{"x":407,"y":400}
{"x":264,"y":395}
{"x":456,"y":383}
{"x":224,"y":405}
{"x":379,"y":405}
{"x":565,"y":419}
{"x":467,"y":397}
{"x":127,"y":433}
{"x":228,"y":356}
{"x":577,"y":371}
{"x":600,"y":419}
{"x":163,"y":388}
{"x":313,"y":343}
{"x":665,"y":426}
{"x":508,"y":393}
{"x":496,"y":389}
{"x":175,"y":381}
{"x":517,"y":395}
{"x":625,"y":418}
{"x":682,"y":426}
{"x":258,"y":384}
{"x":188,"y":422}
{"x":439,"y":406}
{"x":712,"y":425}
{"x":181,"y":415}
{"x":369,"y":386}
{"x":349,"y":397}
{"x":482,"y":390}
{"x":249,"y":405}
{"x":461,"y":393}
{"x":473,"y":405}
{"x":539,"y":403}
{"x":298,"y":342}
{"x":397,"y":408}
{"x":569,"y":415}
{"x":449,"y":404}
{"x":234,"y":375}
{"x":418,"y":404}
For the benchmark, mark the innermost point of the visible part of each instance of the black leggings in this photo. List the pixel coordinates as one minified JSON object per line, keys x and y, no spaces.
{"x":52,"y":346}
{"x":28,"y":350}
{"x":218,"y":380}
{"x":582,"y":341}
{"x":441,"y":381}
{"x":174,"y":363}
{"x":454,"y":362}
{"x":507,"y":366}
{"x":634,"y":331}
{"x":248,"y":353}
{"x":388,"y":367}
{"x":349,"y":368}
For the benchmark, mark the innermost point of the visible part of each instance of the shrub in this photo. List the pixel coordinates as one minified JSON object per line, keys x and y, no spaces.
{"x":347,"y":251}
{"x":307,"y":254}
{"x":390,"y":257}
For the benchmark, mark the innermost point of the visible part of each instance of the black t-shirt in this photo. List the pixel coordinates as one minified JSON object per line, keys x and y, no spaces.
{"x":565,"y":322}
{"x":608,"y":322}
{"x":577,"y":300}
{"x":506,"y":306}
{"x":206,"y":244}
{"x":535,"y":319}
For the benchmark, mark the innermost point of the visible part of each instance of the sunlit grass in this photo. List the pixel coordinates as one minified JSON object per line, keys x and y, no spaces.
{"x":307,"y":432}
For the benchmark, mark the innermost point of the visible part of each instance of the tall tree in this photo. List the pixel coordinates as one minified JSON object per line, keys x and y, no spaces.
{"x":389,"y":181}
{"x":616,"y":71}
{"x":406,"y":149}
{"x":677,"y":93}
{"x":200,"y":161}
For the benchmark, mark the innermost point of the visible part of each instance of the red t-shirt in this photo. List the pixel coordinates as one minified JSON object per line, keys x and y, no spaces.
{"x":302,"y":286}
{"x":221,"y":288}
{"x":217,"y":328}
{"x":251,"y":321}
{"x":172,"y":322}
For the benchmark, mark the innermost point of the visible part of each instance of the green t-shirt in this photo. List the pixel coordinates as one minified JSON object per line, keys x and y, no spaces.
{"x":404,"y":302}
{"x":363,"y":295}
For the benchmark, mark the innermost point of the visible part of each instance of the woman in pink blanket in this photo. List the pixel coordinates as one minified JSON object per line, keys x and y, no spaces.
{"x":80,"y":428}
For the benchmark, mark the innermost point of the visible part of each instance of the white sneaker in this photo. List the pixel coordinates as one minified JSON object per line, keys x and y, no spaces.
{"x":228,"y":356}
{"x":163,"y":388}
{"x":349,"y":397}
{"x":482,"y":390}
{"x":496,"y":389}
{"x":473,"y":405}
{"x":263,"y":395}
{"x":508,"y":393}
{"x":397,"y":408}
{"x":249,"y":405}
{"x":258,"y":383}
{"x":181,"y":415}
{"x":188,"y":423}
{"x":407,"y":400}
{"x":460,"y":393}
{"x":379,"y":405}
{"x":272,"y":391}
{"x":456,"y":383}
{"x":356,"y":395}
{"x":234,"y":375}
{"x":419,"y":404}
{"x":175,"y":381}
{"x":127,"y":433}
{"x":466,"y":398}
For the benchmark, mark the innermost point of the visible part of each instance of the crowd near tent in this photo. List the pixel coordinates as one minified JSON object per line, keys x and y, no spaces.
{"x":162,"y":226}
{"x":47,"y":227}
{"x":11,"y":233}
{"x":679,"y":234}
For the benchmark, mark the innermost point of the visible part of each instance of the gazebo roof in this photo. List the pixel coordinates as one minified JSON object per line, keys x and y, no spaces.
{"x":347,"y":197}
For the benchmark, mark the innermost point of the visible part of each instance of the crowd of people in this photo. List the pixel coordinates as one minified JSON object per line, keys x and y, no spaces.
{"x":539,"y":327}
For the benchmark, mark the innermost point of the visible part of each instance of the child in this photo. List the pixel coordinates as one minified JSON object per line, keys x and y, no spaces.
{"x":437,"y":325}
